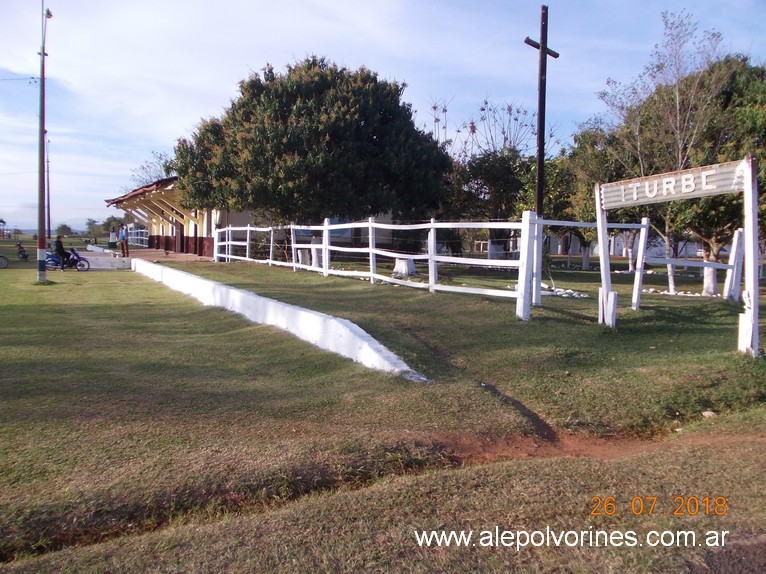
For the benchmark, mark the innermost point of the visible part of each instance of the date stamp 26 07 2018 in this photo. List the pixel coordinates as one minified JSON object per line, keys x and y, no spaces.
{"x":651,"y":505}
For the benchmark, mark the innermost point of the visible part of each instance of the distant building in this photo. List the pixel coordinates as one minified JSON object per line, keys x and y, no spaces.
{"x":170,"y":226}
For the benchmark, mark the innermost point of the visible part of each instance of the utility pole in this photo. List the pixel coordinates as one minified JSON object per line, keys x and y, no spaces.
{"x":48,"y":183}
{"x":41,"y":276}
{"x":544,"y":53}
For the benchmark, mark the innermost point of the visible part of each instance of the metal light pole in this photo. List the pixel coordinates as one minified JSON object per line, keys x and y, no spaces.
{"x":46,"y":14}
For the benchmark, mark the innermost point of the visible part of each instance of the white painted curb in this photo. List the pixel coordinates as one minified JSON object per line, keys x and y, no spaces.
{"x":324,"y":331}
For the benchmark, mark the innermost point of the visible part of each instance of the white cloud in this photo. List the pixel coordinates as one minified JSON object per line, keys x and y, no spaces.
{"x":129,"y":78}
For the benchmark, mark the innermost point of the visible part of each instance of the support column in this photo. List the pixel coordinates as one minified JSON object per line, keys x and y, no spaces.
{"x":748,"y":321}
{"x":607,"y":299}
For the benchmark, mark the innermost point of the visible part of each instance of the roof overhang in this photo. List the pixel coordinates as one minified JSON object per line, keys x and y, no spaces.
{"x":155,"y":201}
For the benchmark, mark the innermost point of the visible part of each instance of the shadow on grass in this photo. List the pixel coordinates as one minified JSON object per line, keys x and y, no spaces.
{"x":541,"y":428}
{"x":42,"y":529}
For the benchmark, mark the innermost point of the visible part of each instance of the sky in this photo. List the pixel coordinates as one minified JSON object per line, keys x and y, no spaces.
{"x":126,"y":79}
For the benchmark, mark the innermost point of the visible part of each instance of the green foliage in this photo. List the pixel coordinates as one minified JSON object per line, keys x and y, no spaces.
{"x":690,"y":107}
{"x":92,"y":227}
{"x":494,"y":178}
{"x":179,"y":455}
{"x":319,"y":141}
{"x":204,"y":167}
{"x":95,"y":228}
{"x":113,"y":221}
{"x":64,"y":229}
{"x":737,"y":130}
{"x":159,"y":167}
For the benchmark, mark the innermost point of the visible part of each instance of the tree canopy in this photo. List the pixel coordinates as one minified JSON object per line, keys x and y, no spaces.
{"x":319,"y":141}
{"x":690,"y":107}
{"x":160,"y":166}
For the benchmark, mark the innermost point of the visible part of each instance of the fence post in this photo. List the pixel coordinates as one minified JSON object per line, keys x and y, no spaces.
{"x":638,"y":280}
{"x":292,"y":245}
{"x":433,"y":275}
{"x":734,"y":275}
{"x":228,"y":245}
{"x":326,"y":248}
{"x":537,"y":276}
{"x":373,"y":258}
{"x":216,"y":244}
{"x":607,"y":299}
{"x":247,"y":239}
{"x":748,"y":341}
{"x":271,"y":245}
{"x":526,"y":265}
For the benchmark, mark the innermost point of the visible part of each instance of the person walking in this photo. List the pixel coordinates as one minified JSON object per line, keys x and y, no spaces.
{"x":124,"y":241}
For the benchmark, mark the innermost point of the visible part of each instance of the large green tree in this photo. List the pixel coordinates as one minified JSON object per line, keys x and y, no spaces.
{"x":205,"y":168}
{"x":690,"y":107}
{"x":658,"y":119}
{"x":318,"y":141}
{"x":738,"y":129}
{"x":495,"y":179}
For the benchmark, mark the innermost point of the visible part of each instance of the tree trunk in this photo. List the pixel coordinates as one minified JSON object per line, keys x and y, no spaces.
{"x":585,"y":257}
{"x":710,"y":282}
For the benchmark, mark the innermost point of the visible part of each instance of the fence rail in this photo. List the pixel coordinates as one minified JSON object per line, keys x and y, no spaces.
{"x":311,"y":247}
{"x":138,"y":237}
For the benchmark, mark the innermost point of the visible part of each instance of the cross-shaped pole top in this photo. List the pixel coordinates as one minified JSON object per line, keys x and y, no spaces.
{"x":544,"y":53}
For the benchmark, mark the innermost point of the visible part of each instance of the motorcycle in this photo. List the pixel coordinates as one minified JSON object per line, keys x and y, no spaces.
{"x":75,"y":261}
{"x":22,"y":252}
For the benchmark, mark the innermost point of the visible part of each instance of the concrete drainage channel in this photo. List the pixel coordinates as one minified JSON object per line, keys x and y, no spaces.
{"x":324,"y":331}
{"x":101,"y":259}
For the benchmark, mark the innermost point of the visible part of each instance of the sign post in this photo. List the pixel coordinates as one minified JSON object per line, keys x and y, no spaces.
{"x":607,"y":299}
{"x":748,"y":321}
{"x":730,"y":177}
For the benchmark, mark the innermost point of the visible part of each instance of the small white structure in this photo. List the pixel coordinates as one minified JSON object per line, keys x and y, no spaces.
{"x":404,"y":267}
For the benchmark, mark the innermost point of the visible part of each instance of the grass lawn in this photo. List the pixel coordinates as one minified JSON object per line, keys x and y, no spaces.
{"x":141,"y":431}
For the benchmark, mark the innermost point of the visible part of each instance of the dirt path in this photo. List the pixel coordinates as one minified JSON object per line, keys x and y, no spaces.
{"x":743,"y":556}
{"x":473,"y":450}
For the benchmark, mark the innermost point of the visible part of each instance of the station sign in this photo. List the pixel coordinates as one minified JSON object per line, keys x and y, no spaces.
{"x":686,"y":184}
{"x":730,"y":177}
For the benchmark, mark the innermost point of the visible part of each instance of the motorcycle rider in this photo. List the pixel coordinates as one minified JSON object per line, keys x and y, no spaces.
{"x":60,"y":252}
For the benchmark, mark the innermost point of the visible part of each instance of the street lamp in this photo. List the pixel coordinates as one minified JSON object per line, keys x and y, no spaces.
{"x":46,"y":15}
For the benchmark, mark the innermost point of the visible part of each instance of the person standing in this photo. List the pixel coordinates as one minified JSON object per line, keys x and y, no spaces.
{"x":124,"y":241}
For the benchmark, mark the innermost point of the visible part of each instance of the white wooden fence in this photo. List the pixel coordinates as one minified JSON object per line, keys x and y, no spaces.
{"x":138,"y":237}
{"x":235,"y":243}
{"x":733,"y":267}
{"x":315,"y":254}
